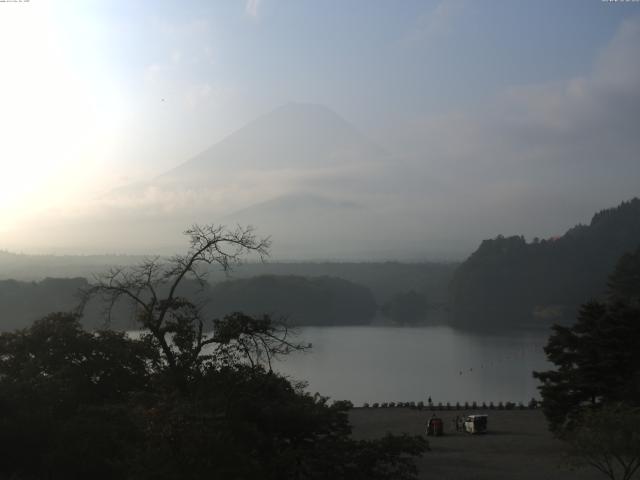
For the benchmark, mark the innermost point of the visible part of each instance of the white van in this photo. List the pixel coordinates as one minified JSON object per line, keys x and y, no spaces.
{"x":475,"y":424}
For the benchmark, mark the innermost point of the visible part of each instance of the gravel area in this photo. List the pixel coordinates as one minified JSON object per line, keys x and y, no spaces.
{"x":517,"y":445}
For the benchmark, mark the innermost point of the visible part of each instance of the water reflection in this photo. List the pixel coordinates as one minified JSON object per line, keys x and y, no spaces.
{"x":390,"y":364}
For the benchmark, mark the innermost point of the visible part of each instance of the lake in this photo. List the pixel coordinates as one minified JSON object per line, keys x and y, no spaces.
{"x":401,"y":364}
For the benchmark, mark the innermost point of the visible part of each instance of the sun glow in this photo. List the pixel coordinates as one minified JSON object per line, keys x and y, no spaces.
{"x":56,"y":127}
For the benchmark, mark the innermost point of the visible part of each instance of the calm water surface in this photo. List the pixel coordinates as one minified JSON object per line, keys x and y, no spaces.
{"x":392,"y":364}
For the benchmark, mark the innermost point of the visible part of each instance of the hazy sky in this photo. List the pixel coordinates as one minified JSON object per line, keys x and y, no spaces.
{"x":97,"y":94}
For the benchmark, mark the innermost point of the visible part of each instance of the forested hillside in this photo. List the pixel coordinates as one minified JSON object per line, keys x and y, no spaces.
{"x":384,"y":279}
{"x":510,"y":282}
{"x":18,"y":266}
{"x":301,"y":301}
{"x":23,"y":302}
{"x":319,"y":301}
{"x":293,"y":284}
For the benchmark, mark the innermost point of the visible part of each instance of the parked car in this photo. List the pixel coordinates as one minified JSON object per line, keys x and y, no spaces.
{"x":476,"y":424}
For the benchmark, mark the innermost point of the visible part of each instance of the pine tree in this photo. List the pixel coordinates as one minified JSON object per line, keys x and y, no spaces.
{"x":597,"y":359}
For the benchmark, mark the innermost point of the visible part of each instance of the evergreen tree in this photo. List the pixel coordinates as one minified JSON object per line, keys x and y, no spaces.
{"x":624,"y":283}
{"x":597,"y":359}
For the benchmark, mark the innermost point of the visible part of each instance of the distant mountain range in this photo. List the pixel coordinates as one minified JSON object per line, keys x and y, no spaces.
{"x":300,"y":173}
{"x":509,"y":282}
{"x":296,"y":135}
{"x":506,"y":283}
{"x":295,"y":149}
{"x":324,"y":192}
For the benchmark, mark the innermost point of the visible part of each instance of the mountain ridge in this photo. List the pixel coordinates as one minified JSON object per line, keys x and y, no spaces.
{"x":508,"y":279}
{"x":312,"y":134}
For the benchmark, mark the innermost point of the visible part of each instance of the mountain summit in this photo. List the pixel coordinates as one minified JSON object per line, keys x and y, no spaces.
{"x":297,"y":173}
{"x":293,"y":136}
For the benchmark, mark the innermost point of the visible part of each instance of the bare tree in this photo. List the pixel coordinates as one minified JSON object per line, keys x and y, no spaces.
{"x":174,"y":322}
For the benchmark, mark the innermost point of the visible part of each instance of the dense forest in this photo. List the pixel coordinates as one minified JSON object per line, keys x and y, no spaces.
{"x":20,"y":266}
{"x":301,"y":301}
{"x":306,"y":293}
{"x":384,"y":279}
{"x":316,"y":301}
{"x":510,"y":282}
{"x":24,"y":302}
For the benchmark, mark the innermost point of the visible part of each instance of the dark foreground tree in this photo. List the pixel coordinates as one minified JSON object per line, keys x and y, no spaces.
{"x":624,"y":282}
{"x":188,"y":399}
{"x":152,"y":288}
{"x":608,"y":439}
{"x":597,"y":359}
{"x":592,"y":398}
{"x":64,"y":400}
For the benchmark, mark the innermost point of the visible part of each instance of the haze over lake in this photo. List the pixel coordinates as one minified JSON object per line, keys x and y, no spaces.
{"x":426,"y":193}
{"x":401,"y":364}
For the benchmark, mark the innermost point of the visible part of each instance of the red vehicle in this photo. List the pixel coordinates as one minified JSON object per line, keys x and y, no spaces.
{"x":435,"y":427}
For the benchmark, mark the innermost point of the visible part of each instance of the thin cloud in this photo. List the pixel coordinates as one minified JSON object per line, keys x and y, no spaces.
{"x":567,"y":147}
{"x":553,"y":152}
{"x":252,"y":8}
{"x":434,"y":23}
{"x":535,"y":160}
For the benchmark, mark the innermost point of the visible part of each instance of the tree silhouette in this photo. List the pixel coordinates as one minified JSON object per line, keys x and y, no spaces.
{"x":608,"y":440}
{"x":173,"y":322}
{"x":190,"y":398}
{"x":597,"y":358}
{"x":624,"y":282}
